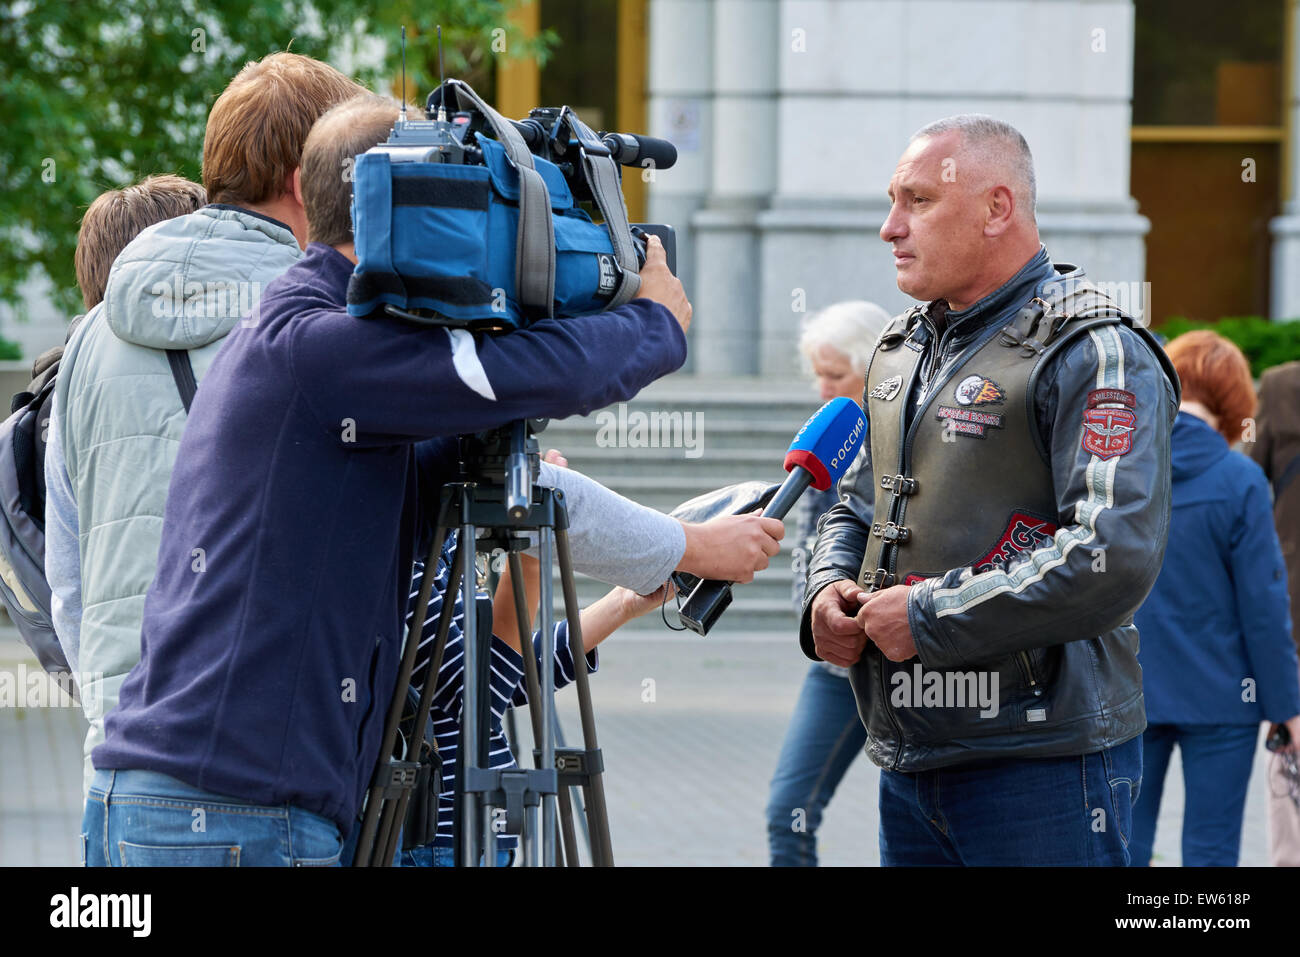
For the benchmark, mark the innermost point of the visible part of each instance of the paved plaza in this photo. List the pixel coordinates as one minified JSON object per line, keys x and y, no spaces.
{"x":687,"y":772}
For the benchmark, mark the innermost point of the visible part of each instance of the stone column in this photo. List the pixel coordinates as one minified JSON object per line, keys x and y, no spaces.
{"x":745,"y":133}
{"x":858,"y":77}
{"x":681,"y":110}
{"x":1284,"y":301}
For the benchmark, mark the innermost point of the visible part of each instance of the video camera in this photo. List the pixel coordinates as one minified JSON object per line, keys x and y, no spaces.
{"x":467,"y":219}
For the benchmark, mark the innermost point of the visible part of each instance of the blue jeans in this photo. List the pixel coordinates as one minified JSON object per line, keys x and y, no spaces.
{"x":825,"y":734}
{"x":1069,"y":811}
{"x":428,"y":855}
{"x":1217,"y":759}
{"x":147,"y":819}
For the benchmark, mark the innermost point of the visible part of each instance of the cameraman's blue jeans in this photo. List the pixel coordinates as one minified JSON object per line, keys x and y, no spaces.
{"x":825,"y":734}
{"x":1071,"y":811}
{"x":147,"y":819}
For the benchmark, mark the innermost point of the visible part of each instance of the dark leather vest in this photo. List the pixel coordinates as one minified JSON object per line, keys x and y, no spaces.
{"x":967,"y":485}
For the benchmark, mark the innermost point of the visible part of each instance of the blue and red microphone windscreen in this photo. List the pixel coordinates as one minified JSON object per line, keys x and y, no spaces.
{"x":828,"y":442}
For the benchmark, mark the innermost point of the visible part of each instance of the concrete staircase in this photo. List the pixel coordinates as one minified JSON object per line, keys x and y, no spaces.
{"x":709,"y":433}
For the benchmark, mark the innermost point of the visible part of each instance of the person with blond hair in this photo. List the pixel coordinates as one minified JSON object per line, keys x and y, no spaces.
{"x":1216,"y":652}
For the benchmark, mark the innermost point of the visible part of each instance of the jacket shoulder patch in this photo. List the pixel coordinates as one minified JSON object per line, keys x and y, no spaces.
{"x":1109,"y":419}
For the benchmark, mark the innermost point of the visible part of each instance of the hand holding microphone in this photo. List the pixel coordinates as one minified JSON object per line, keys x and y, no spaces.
{"x":819,"y":455}
{"x":731,"y":547}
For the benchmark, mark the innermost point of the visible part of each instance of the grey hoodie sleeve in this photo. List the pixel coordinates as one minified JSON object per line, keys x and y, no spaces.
{"x":614,"y":539}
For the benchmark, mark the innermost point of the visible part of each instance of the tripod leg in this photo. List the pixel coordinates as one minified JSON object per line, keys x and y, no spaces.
{"x":365,"y":851}
{"x":571,"y":857}
{"x":547,"y":693}
{"x":434,"y":667}
{"x":524,"y":623}
{"x":483,"y":612}
{"x":470,"y":845}
{"x":391,"y":825}
{"x":579,"y":811}
{"x":602,"y":852}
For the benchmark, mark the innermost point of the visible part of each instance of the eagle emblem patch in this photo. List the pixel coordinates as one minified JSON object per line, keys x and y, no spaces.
{"x":888,"y":388}
{"x":978,"y":390}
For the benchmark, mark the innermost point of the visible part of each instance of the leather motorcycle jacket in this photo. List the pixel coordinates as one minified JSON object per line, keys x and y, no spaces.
{"x":1021,"y":454}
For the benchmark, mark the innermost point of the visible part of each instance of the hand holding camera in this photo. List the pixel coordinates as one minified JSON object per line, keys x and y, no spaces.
{"x":660,"y":285}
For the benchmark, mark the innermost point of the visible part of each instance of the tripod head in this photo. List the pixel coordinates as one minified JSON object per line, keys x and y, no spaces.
{"x":507,"y":457}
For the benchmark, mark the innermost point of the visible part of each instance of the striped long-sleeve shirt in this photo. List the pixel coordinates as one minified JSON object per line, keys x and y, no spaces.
{"x":506,"y":682}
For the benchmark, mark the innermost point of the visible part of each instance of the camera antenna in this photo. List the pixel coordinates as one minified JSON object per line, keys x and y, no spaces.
{"x":442,"y":79}
{"x":403,"y":73}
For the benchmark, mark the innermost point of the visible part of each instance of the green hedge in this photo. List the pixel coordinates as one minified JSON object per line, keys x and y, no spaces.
{"x":1266,"y":343}
{"x":10,"y":349}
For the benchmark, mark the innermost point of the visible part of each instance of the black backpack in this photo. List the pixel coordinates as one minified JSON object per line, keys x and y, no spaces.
{"x":23,"y":588}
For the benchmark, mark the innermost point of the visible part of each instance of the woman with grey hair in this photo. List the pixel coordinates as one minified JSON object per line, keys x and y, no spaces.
{"x":825,"y":732}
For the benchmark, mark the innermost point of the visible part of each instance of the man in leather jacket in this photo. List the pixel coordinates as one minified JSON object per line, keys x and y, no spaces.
{"x":1020,"y":434}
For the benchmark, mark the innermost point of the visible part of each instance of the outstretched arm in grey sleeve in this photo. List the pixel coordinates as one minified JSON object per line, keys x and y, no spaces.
{"x":621,"y":542}
{"x":613,"y":538}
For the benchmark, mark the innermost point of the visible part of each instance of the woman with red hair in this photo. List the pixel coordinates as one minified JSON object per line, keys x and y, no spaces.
{"x":1216,"y":650}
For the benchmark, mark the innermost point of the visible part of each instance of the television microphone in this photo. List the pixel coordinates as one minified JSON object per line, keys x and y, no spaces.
{"x":819,"y":455}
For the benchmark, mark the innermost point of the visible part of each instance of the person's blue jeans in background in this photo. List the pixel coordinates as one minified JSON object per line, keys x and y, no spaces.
{"x":1070,"y":811}
{"x":429,"y":855}
{"x":825,"y":734}
{"x":1217,"y":759}
{"x":147,"y":819}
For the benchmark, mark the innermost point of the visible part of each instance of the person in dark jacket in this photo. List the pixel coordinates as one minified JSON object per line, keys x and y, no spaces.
{"x":1216,"y":652}
{"x":824,"y":734}
{"x":1276,"y":447}
{"x":305,"y":485}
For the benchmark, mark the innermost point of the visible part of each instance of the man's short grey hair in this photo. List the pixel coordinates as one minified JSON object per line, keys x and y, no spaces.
{"x":984,"y":132}
{"x":850,"y":328}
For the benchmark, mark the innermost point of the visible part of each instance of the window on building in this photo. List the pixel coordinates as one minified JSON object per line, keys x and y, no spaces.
{"x":1208,"y":149}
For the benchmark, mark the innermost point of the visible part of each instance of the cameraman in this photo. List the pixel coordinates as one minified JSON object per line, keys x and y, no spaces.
{"x":303,"y":489}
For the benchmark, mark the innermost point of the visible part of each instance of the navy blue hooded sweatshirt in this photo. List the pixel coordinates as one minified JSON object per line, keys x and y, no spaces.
{"x":272,"y":629}
{"x":1218,"y":614}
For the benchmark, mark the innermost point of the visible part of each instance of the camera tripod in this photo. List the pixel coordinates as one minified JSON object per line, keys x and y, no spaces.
{"x":500,"y":499}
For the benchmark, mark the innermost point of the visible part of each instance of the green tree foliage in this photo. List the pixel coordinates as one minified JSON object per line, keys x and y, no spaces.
{"x":97,"y":94}
{"x":1265,"y":343}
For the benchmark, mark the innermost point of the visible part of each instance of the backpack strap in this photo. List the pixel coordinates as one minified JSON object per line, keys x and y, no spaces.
{"x":183,"y":373}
